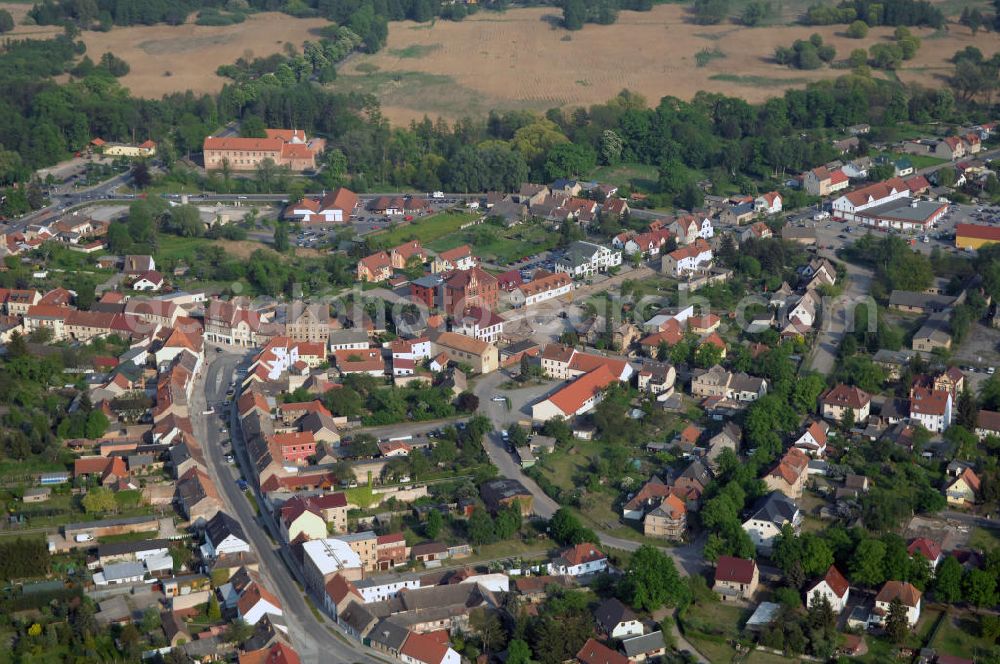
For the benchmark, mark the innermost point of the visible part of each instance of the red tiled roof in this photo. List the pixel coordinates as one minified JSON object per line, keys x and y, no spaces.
{"x":595,"y":652}
{"x":582,"y":553}
{"x":736,"y":570}
{"x":928,"y":548}
{"x":847,"y":395}
{"x":906,"y":593}
{"x":836,"y":581}
{"x":452,"y":255}
{"x":427,"y":648}
{"x":571,"y":398}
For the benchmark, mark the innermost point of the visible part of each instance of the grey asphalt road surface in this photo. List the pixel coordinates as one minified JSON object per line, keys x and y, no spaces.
{"x":312,"y":637}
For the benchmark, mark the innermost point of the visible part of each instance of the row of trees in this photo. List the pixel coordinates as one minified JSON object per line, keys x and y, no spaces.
{"x":882,"y":12}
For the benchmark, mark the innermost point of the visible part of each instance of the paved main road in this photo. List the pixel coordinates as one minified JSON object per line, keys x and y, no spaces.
{"x":311,"y":636}
{"x":689,"y":557}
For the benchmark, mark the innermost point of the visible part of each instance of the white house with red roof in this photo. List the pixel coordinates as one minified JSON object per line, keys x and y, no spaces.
{"x":410,"y":349}
{"x":579,"y":560}
{"x":931,"y":408}
{"x":428,"y":648}
{"x":813,"y":439}
{"x":579,"y":397}
{"x":833,"y":586}
{"x":687,"y":259}
{"x":256,"y":601}
{"x":928,"y":548}
{"x":459,"y":258}
{"x":769,"y":203}
{"x":481,"y":324}
{"x":150,"y":280}
{"x":906,"y":593}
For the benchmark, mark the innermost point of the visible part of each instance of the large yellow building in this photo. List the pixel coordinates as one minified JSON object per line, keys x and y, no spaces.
{"x":974,"y":236}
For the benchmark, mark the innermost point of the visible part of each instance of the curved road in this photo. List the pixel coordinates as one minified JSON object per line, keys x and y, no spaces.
{"x":312,"y":637}
{"x":689,"y":557}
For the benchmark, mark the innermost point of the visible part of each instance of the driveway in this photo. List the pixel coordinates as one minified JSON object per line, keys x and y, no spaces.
{"x":836,"y":319}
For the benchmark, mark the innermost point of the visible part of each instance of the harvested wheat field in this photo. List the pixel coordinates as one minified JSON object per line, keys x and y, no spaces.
{"x":521,"y":59}
{"x":190,"y":53}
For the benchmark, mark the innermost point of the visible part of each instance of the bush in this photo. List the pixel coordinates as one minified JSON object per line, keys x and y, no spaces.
{"x":857,"y":30}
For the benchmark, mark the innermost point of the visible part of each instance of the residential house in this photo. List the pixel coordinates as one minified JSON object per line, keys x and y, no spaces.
{"x":813,"y":439}
{"x":480,"y":324}
{"x":595,"y":652}
{"x":428,"y":648}
{"x":686,"y":260}
{"x":789,"y":475}
{"x":375,"y":268}
{"x":640,"y":649}
{"x":579,"y":560}
{"x":459,"y":258}
{"x":735,"y":578}
{"x":987,"y":424}
{"x":336,"y":207}
{"x":935,"y":334}
{"x":667,"y":520}
{"x":771,"y":513}
{"x":224,"y":536}
{"x":833,"y":586}
{"x":578,"y":397}
{"x":483,"y":357}
{"x":542,"y":287}
{"x":931,"y":408}
{"x":905,"y":593}
{"x":769,"y":203}
{"x":299,"y":520}
{"x":585,"y":259}
{"x":822,"y":181}
{"x":728,"y":438}
{"x":964,"y":489}
{"x":843,"y":399}
{"x":617,"y":620}
{"x":928,"y":549}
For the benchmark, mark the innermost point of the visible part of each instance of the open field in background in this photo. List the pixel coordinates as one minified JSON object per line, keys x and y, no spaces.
{"x":191,"y":53}
{"x":520,"y":59}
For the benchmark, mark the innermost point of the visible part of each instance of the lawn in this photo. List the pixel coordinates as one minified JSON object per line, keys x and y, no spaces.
{"x":642,"y":177}
{"x":957,"y":636}
{"x":496,"y":244}
{"x":761,"y":657}
{"x":710,"y":625}
{"x":426,"y":229}
{"x":919,"y":160}
{"x":562,"y":466}
{"x":174,"y":247}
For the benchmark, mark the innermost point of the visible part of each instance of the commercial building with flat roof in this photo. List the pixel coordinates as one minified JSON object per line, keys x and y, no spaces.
{"x":905,"y":214}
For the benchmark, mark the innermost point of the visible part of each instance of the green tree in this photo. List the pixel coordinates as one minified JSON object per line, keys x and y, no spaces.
{"x":979,"y":587}
{"x":867,"y":565}
{"x":281,"y":242}
{"x":99,"y":500}
{"x":947,"y":584}
{"x":518,"y":652}
{"x":214,"y":612}
{"x":857,"y":30}
{"x":6,"y":21}
{"x":481,"y":528}
{"x":897,"y":624}
{"x":434,"y":524}
{"x":651,"y":581}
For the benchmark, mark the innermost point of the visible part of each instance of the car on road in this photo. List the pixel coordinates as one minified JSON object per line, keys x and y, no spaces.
{"x":498,"y":397}
{"x":210,"y":411}
{"x":242,"y":484}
